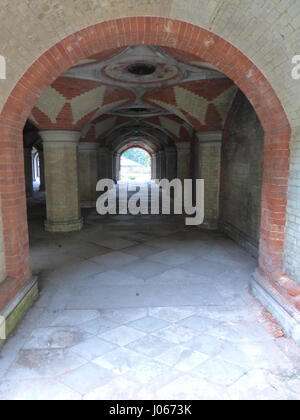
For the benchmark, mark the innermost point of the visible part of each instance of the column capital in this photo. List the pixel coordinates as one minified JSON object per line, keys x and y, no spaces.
{"x":184,"y":145}
{"x":88,"y":146}
{"x":211,"y":137}
{"x":58,"y":138}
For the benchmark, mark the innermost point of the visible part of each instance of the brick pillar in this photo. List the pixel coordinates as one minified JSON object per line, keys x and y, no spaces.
{"x":61,"y":178}
{"x":88,"y":174}
{"x":42,"y":170}
{"x":171,"y":163}
{"x":28,"y":171}
{"x":208,"y":166}
{"x":183,"y":160}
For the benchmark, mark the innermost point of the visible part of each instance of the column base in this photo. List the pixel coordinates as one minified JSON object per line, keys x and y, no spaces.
{"x":88,"y":204}
{"x":15,"y":311}
{"x":66,"y":226}
{"x":278,"y":306}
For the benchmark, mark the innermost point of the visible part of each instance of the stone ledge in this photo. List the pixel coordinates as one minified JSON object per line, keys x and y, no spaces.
{"x":15,"y":311}
{"x":279,"y":307}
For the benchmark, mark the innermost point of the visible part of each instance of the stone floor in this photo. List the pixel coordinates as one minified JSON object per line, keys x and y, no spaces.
{"x":144,"y":308}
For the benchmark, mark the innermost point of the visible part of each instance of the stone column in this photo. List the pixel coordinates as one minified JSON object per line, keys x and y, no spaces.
{"x":155,"y":166}
{"x":171,"y":163}
{"x":28,"y":171}
{"x":42,"y":170}
{"x":183,"y":160}
{"x":102,"y":163}
{"x":162,"y":162}
{"x":208,"y":167}
{"x":105,"y":164}
{"x":110,"y":164}
{"x":116,"y":166}
{"x":117,"y":160}
{"x":158,"y":165}
{"x":88,"y":174}
{"x":61,"y":178}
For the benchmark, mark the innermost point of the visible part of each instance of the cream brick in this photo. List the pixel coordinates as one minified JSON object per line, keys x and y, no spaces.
{"x":61,"y":177}
{"x":2,"y":259}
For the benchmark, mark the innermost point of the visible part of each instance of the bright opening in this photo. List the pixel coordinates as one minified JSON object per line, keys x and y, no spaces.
{"x":36,"y":174}
{"x":135,"y":165}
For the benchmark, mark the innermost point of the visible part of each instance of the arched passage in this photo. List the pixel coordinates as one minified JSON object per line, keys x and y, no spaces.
{"x":135,"y":164}
{"x":135,"y":31}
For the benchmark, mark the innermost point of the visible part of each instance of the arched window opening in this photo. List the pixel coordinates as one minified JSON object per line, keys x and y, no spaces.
{"x":36,"y":174}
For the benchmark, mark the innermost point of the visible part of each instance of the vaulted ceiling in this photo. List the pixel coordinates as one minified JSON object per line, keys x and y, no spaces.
{"x":137,"y":92}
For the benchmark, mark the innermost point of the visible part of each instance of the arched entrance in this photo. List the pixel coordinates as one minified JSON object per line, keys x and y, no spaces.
{"x":135,"y":164}
{"x":134,"y":31}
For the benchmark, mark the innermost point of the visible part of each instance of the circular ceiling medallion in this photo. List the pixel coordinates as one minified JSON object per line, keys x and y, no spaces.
{"x":141,"y":72}
{"x":141,"y":69}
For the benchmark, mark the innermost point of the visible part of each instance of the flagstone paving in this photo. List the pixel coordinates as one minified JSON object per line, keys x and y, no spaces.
{"x":142,"y":307}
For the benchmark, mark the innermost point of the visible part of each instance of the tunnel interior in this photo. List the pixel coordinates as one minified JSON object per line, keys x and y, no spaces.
{"x":191,"y":119}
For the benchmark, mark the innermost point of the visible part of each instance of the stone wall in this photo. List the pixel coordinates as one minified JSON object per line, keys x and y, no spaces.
{"x":292,"y":242}
{"x":207,"y":167}
{"x":242,"y":163}
{"x":88,"y":174}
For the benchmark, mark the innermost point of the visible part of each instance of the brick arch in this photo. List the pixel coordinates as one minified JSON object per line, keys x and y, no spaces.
{"x":126,"y":147}
{"x":126,"y":142}
{"x":133,"y":31}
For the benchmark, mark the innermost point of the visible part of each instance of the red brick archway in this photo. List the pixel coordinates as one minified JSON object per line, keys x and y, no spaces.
{"x":120,"y":33}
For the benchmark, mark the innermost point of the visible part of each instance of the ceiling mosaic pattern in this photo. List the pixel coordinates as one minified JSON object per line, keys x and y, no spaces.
{"x":134,"y":88}
{"x":71,"y":104}
{"x":202,"y":104}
